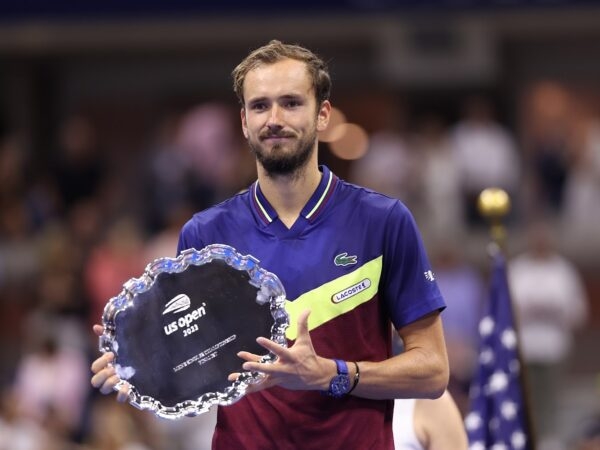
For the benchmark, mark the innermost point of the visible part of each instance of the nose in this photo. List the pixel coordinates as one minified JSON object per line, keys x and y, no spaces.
{"x":274,"y":121}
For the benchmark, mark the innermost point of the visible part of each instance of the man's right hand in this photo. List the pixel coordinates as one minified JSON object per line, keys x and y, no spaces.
{"x":105,"y":376}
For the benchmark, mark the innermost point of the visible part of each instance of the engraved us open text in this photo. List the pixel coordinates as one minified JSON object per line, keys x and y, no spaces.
{"x":206,"y":355}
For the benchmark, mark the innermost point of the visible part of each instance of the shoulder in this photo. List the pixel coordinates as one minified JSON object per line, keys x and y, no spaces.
{"x":371,"y":201}
{"x":440,"y":421}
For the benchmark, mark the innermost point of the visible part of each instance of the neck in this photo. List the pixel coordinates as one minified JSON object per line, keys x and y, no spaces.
{"x":289,"y":193}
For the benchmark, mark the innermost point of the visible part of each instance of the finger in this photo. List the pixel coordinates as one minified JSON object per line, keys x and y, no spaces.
{"x":255,"y":384}
{"x":247,"y":356}
{"x":106,"y":382}
{"x":102,"y":362}
{"x":264,"y":368}
{"x":100,"y":378}
{"x":303,"y":322}
{"x":98,"y":330}
{"x":273,"y":347}
{"x":123,"y":393}
{"x":103,"y":373}
{"x":234,"y":377}
{"x":109,"y":385}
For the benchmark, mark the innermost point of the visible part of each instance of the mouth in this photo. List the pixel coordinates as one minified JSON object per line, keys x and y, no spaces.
{"x":276,"y":137}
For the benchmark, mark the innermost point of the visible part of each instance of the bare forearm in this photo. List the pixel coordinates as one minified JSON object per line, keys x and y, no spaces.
{"x":413,"y":374}
{"x":421,"y":371}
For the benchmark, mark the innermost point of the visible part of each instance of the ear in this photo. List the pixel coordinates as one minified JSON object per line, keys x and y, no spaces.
{"x":244,"y":123}
{"x":323,"y":115}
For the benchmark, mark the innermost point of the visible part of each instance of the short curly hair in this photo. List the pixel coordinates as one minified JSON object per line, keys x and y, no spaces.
{"x":276,"y":51}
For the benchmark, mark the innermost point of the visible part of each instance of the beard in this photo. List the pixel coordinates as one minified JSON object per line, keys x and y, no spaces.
{"x":280,"y":162}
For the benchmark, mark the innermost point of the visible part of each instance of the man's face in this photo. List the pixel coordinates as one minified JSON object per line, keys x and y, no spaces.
{"x":280,"y":118}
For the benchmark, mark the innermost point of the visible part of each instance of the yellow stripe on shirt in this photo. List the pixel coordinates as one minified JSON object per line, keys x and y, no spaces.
{"x":335,"y":297}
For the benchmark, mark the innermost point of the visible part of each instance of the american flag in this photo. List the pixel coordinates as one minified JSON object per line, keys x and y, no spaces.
{"x":498,"y":417}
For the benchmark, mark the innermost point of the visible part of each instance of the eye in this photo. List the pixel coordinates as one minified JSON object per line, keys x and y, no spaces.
{"x":292,"y":103}
{"x":258,"y":106}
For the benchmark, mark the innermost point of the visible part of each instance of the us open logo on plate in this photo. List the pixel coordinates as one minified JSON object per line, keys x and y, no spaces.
{"x":351,"y":291}
{"x":177,"y":304}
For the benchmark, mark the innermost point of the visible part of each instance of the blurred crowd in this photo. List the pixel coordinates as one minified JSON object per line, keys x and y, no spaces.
{"x":74,"y":228}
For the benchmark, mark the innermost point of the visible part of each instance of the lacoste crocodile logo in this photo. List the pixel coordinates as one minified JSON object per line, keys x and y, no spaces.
{"x":344,"y":260}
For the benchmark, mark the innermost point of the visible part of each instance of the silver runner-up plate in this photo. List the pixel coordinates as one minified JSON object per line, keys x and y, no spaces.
{"x":177,"y":329}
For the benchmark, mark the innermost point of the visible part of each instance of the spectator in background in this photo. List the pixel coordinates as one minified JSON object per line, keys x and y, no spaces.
{"x":442,"y":206}
{"x":390,"y":165}
{"x":53,"y":339}
{"x":486,"y":154}
{"x":13,"y":160}
{"x":548,"y":142}
{"x":18,"y":248}
{"x":80,"y":166}
{"x":25,"y":183}
{"x":581,"y":211}
{"x":162,"y":243}
{"x":195,"y":162}
{"x":550,"y":304}
{"x":112,"y":262}
{"x":18,"y":251}
{"x":19,"y":265}
{"x":169,"y":181}
{"x":51,"y":385}
{"x":129,"y":429}
{"x":208,"y":136}
{"x":18,"y":432}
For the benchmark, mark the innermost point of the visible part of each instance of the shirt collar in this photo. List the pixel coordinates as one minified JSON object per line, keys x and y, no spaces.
{"x":313,"y":207}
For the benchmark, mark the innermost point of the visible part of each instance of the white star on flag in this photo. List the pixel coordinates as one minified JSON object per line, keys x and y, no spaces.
{"x":472,"y":421}
{"x":486,"y":356}
{"x":518,"y":440}
{"x":508,"y":410}
{"x":509,"y":338}
{"x":499,"y":446}
{"x":486,"y":326}
{"x":498,"y":382}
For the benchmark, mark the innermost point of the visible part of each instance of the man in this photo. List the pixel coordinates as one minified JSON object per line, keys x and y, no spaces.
{"x":325,"y":239}
{"x":424,"y":424}
{"x":551,"y":303}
